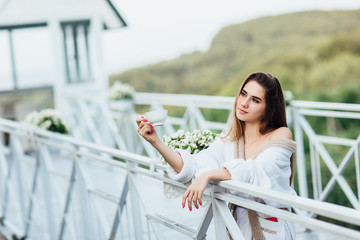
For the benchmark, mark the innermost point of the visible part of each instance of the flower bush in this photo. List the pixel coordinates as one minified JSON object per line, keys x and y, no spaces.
{"x":119,"y":91}
{"x":48,"y":119}
{"x":288,"y":96}
{"x":192,"y":142}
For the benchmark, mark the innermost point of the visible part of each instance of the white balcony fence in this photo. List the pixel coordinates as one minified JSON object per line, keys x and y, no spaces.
{"x":59,"y":187}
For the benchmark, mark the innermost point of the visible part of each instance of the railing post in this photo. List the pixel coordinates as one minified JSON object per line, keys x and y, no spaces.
{"x":88,"y":226}
{"x":192,"y":116}
{"x":65,"y":212}
{"x":16,"y":156}
{"x":120,"y":207}
{"x":100,"y":214}
{"x":357,"y":168}
{"x":43,"y":156}
{"x":300,"y":155}
{"x":205,"y":222}
{"x":135,"y":207}
{"x":314,"y":172}
{"x":32,"y":194}
{"x":3,"y":177}
{"x":4,"y":198}
{"x":186,"y":118}
{"x":200,"y":118}
{"x":220,"y":227}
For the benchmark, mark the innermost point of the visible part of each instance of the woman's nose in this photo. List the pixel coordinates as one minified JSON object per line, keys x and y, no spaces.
{"x":244,"y":103}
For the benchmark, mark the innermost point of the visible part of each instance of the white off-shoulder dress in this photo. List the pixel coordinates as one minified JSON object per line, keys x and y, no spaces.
{"x":270,"y":169}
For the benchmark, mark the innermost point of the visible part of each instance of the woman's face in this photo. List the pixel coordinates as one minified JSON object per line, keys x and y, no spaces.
{"x":251,"y":103}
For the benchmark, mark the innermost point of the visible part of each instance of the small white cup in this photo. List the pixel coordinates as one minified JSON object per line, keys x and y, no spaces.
{"x":157,"y":117}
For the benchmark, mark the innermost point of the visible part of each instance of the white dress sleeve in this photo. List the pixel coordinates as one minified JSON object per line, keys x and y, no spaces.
{"x":195,"y":164}
{"x":270,"y":169}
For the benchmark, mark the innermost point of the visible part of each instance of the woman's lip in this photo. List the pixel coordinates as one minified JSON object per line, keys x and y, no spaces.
{"x":242,"y":111}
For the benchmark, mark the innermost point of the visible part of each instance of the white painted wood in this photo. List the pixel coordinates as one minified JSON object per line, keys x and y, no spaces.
{"x":22,"y":11}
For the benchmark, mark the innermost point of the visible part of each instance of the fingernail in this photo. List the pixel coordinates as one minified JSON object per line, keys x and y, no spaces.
{"x":197,"y":207}
{"x":146,"y":120}
{"x":190,"y":209}
{"x":183,"y":206}
{"x":200,"y":204}
{"x":151,"y":126}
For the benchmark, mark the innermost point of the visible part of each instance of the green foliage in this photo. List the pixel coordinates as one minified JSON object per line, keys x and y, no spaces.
{"x":347,"y":42}
{"x":305,"y":50}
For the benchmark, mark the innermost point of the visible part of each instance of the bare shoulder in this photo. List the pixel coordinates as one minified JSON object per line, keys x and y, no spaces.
{"x":282,"y":132}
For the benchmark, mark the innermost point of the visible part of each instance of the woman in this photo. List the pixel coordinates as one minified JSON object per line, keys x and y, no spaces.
{"x":257,"y":149}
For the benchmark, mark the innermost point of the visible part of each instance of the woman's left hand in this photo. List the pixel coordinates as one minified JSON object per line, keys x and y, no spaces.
{"x":195,"y":190}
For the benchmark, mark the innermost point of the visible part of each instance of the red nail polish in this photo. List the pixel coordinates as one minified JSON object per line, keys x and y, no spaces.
{"x":190,"y":209}
{"x":151,"y":126}
{"x":183,"y":206}
{"x":146,"y":120}
{"x":200,"y":204}
{"x":197,"y":207}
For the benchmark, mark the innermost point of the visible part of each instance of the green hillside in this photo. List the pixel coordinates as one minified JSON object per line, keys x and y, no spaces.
{"x":314,"y":54}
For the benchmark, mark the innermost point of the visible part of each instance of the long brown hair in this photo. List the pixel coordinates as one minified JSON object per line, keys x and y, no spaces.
{"x":275,"y":111}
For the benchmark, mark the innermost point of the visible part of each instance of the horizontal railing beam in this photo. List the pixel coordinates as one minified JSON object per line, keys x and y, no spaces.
{"x":183,"y":100}
{"x":326,"y":105}
{"x":330,"y":210}
{"x":334,"y":114}
{"x":336,"y":140}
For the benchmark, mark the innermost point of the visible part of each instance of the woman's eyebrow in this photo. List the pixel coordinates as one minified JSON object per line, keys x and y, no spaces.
{"x":257,"y":98}
{"x":253,"y":95}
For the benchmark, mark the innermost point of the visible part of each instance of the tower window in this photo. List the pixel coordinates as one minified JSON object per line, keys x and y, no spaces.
{"x":77,"y":55}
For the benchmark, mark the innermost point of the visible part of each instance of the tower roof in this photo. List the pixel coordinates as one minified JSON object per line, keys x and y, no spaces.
{"x":19,"y":12}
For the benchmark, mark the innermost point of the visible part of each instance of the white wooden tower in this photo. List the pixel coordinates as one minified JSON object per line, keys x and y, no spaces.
{"x":75,"y":27}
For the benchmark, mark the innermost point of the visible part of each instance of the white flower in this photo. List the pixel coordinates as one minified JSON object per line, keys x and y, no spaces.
{"x":120,"y":91}
{"x":192,"y":142}
{"x":48,"y":119}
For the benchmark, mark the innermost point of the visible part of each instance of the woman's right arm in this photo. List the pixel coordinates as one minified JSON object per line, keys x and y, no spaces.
{"x":147,"y":131}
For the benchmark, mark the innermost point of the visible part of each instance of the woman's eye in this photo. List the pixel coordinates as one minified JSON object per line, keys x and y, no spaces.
{"x":255,"y":100}
{"x":242,"y":94}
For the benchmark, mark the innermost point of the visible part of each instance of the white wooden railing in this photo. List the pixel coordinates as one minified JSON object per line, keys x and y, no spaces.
{"x":65,"y":180}
{"x":50,"y":190}
{"x":319,"y":158}
{"x":95,"y":119}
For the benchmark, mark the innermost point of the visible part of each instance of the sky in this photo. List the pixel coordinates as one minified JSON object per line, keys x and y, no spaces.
{"x":159,"y":30}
